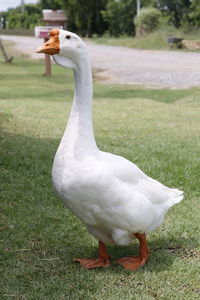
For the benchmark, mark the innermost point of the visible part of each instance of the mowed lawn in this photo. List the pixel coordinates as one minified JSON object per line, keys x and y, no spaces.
{"x":159,"y":130}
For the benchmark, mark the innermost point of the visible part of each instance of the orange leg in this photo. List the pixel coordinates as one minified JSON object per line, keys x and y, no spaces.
{"x":101,"y":261}
{"x":135,"y":262}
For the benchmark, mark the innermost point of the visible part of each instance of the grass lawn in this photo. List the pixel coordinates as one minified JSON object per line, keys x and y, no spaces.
{"x":156,"y":129}
{"x":156,"y":40}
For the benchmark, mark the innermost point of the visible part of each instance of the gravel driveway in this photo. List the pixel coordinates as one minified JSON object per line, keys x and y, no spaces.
{"x":171,"y":69}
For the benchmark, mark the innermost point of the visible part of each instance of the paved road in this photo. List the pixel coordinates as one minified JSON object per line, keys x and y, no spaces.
{"x":171,"y":69}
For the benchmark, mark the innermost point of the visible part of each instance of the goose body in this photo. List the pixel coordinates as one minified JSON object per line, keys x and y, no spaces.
{"x":111,"y":195}
{"x":114,"y":198}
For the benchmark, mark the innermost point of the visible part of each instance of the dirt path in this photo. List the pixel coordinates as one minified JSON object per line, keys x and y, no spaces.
{"x":170,"y":69}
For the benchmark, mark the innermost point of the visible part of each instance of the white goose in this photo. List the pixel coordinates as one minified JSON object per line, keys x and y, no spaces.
{"x":111,"y":195}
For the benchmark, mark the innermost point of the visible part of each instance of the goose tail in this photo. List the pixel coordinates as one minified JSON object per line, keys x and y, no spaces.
{"x":176,"y":196}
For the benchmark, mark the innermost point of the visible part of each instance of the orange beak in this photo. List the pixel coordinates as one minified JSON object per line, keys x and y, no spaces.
{"x":52,"y":46}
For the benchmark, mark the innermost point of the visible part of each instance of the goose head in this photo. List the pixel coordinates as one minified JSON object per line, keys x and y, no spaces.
{"x":66,"y":48}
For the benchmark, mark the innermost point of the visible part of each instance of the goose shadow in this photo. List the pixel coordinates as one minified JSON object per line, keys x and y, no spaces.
{"x":163,"y":252}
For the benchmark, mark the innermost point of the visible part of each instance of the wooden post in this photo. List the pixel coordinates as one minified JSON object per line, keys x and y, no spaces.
{"x":47,"y":62}
{"x":4,"y":52}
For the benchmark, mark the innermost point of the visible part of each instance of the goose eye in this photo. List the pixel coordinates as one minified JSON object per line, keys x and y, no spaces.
{"x":68,"y":37}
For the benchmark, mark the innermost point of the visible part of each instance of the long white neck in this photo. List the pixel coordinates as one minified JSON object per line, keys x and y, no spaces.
{"x":78,"y":138}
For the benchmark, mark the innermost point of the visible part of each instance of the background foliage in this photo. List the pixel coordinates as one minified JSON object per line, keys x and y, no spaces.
{"x":85,"y":17}
{"x":119,"y":16}
{"x":25,"y":18}
{"x":148,"y":20}
{"x":97,"y":17}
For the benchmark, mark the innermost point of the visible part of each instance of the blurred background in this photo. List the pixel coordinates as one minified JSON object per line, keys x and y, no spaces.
{"x":94,"y":18}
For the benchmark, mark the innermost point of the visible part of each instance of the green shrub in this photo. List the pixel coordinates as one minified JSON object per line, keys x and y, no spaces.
{"x":147,"y":21}
{"x":119,"y":17}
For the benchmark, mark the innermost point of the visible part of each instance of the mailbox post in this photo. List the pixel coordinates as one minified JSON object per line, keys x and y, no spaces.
{"x":43,"y":32}
{"x":47,"y":62}
{"x":52,"y":19}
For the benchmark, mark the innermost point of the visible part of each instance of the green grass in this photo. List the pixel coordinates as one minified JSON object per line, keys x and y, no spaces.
{"x":156,"y":129}
{"x":156,"y":40}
